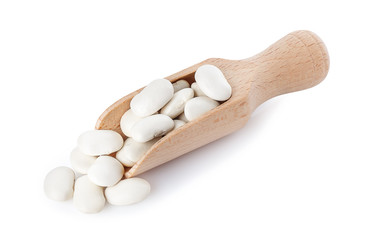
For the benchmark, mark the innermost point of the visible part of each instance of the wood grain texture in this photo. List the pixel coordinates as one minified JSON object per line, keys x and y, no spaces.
{"x":297,"y":61}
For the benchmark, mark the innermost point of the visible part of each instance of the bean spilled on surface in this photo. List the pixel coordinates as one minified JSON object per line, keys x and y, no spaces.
{"x":128,"y":191}
{"x":59,"y":184}
{"x":81,"y":162}
{"x":106,"y":171}
{"x":88,"y":197}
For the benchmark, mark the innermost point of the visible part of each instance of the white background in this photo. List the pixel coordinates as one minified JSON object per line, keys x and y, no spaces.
{"x":296,"y":171}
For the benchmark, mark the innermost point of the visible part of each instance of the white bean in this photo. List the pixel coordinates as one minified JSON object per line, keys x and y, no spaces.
{"x":182,"y":117}
{"x":133,"y":151}
{"x":197,"y":91}
{"x":176,"y":105}
{"x":150,"y":127}
{"x":152,"y":98}
{"x":99,"y":142}
{"x":196,"y":107}
{"x":106,"y":171}
{"x":81,"y":162}
{"x":128,"y":191}
{"x":178,"y":123}
{"x":127,"y":121}
{"x":59,"y":183}
{"x":181,"y":84}
{"x":88,"y":197}
{"x":212,"y":82}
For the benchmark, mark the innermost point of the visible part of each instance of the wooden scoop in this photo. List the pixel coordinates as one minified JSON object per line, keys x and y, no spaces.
{"x":297,"y":61}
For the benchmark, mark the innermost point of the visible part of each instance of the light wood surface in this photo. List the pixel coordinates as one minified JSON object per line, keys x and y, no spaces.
{"x":297,"y":61}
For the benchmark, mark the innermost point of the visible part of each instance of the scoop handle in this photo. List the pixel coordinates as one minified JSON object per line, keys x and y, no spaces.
{"x":297,"y":61}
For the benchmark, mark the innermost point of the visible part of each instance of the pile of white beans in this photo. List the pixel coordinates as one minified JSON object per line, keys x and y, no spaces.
{"x":159,"y":108}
